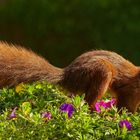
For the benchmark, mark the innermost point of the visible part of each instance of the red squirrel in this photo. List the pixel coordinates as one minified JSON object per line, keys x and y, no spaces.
{"x":92,"y":73}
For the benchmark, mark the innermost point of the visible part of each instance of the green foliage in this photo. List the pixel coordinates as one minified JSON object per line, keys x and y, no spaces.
{"x":64,"y":29}
{"x":32,"y":100}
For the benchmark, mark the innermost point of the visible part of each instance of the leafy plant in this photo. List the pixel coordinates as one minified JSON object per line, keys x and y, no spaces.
{"x":42,"y":111}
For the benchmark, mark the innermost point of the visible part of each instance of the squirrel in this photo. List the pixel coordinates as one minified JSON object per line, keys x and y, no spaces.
{"x":92,"y":73}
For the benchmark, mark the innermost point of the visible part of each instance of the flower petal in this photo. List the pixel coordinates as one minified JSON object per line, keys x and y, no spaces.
{"x":46,"y":115}
{"x":125,"y":123}
{"x":12,"y":115}
{"x":68,"y":108}
{"x":104,"y":104}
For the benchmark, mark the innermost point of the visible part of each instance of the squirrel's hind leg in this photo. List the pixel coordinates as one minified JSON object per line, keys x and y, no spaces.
{"x":98,"y":85}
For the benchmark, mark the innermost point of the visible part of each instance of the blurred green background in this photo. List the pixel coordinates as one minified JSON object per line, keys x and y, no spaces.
{"x":61,"y":30}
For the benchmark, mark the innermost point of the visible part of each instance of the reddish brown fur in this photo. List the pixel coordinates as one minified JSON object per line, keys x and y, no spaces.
{"x":19,"y":65}
{"x":93,"y":72}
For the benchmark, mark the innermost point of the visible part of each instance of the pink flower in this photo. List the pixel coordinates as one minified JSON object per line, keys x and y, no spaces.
{"x":12,"y":115}
{"x":46,"y":115}
{"x":107,"y":104}
{"x":125,"y":123}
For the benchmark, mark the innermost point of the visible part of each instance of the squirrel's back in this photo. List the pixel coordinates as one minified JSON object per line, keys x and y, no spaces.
{"x":118,"y":62}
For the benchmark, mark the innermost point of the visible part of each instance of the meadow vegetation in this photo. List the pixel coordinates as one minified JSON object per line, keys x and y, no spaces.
{"x":43,"y":111}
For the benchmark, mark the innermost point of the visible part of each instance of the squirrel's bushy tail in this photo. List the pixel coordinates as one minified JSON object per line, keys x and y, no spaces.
{"x":20,"y":65}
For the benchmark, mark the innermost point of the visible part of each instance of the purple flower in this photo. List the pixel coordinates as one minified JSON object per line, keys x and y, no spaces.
{"x":125,"y":123}
{"x":107,"y":104}
{"x":12,"y":115}
{"x":67,"y":108}
{"x":46,"y":115}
